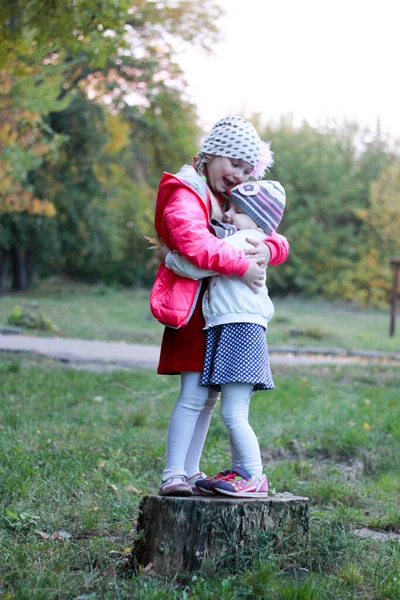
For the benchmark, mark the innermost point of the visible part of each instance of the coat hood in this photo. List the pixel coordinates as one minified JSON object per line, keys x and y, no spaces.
{"x":187,"y":176}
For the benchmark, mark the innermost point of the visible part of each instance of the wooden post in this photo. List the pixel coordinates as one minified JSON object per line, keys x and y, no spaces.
{"x":179,"y":535}
{"x":395,"y":262}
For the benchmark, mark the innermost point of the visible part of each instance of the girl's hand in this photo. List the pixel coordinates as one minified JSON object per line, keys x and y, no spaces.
{"x":254,"y":276}
{"x":260,"y":252}
{"x":162,"y":253}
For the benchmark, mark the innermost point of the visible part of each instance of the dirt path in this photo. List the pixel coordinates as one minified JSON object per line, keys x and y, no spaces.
{"x":101,"y":353}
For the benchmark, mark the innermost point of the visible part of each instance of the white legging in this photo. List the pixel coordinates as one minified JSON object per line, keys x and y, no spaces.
{"x":245,"y":449}
{"x":190,"y":421}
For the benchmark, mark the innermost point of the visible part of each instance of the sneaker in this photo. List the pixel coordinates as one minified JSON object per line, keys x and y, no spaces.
{"x":175,"y":486}
{"x":194,"y":478}
{"x":204,"y":485}
{"x":241,"y":484}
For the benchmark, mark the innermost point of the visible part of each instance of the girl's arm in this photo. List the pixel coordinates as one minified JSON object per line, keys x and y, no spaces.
{"x":278,"y":248}
{"x":182,"y":266}
{"x":186,"y":222}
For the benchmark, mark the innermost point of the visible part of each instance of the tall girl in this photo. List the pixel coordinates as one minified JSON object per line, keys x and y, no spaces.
{"x":230,"y":154}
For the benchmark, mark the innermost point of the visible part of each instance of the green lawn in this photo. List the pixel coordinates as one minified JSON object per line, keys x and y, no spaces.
{"x":99,"y":312}
{"x":78,"y":449}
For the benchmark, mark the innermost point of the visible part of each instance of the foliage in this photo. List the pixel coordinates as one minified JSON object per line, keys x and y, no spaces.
{"x":93,"y":109}
{"x":166,"y":136}
{"x":29,"y":91}
{"x":30,"y":317}
{"x":369,"y":282}
{"x":132,"y":217}
{"x":116,"y":54}
{"x":327,"y":174}
{"x":98,"y":27}
{"x":100,"y":185}
{"x":27,"y":95}
{"x":383,"y":214}
{"x":83,"y":226}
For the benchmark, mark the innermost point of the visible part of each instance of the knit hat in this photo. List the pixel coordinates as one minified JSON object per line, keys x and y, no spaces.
{"x":234,"y":137}
{"x":263,"y":201}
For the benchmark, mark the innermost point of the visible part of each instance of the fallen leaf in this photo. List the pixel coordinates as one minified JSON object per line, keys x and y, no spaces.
{"x":124,"y":552}
{"x":131,"y":488}
{"x":56,"y":535}
{"x":42,"y":534}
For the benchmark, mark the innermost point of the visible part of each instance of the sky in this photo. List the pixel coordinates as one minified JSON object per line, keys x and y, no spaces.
{"x":315,"y":59}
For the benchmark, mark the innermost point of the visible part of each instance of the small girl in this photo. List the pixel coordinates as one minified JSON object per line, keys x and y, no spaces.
{"x":236,"y":360}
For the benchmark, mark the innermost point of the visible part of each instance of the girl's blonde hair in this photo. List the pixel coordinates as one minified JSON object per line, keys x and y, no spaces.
{"x":199,"y":163}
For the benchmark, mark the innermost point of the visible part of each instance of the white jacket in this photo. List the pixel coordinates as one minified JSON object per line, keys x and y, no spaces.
{"x":228,"y":299}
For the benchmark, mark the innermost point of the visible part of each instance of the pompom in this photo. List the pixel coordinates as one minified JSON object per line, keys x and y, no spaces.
{"x":266,"y":160}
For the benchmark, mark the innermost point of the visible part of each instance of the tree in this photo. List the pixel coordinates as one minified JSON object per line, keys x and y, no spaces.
{"x":112,"y":51}
{"x":370,"y":282}
{"x":28,"y":92}
{"x":102,"y":186}
{"x":383,"y":214}
{"x":317,"y":175}
{"x":323,"y":172}
{"x":83,"y":225}
{"x":98,"y":28}
{"x":164,"y":136}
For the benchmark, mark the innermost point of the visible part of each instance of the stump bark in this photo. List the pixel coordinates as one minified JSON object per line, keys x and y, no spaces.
{"x":186,"y":534}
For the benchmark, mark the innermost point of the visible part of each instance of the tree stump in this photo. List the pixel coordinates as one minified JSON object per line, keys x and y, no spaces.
{"x":185,"y":534}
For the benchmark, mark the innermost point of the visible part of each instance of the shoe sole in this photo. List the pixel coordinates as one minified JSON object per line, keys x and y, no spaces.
{"x":198,"y":492}
{"x":179,"y":493}
{"x":206,"y":492}
{"x":243,"y":494}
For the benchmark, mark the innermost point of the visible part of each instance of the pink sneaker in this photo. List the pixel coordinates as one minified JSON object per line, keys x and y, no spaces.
{"x":175,"y":486}
{"x":241,"y":484}
{"x":205,"y":485}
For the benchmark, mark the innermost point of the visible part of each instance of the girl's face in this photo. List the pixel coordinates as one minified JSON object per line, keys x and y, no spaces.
{"x":235,"y":216}
{"x":224,"y":173}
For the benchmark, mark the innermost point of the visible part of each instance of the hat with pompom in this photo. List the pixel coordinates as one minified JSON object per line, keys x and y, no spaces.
{"x":234,"y":137}
{"x":263,"y":201}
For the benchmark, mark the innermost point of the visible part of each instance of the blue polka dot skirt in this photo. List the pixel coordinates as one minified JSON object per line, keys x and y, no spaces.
{"x":237,"y":353}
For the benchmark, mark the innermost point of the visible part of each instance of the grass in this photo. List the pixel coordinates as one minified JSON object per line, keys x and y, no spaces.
{"x":89,"y":312}
{"x":100,"y":312}
{"x":78,"y":449}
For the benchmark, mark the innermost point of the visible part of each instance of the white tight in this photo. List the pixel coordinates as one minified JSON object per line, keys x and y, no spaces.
{"x":190,"y":421}
{"x":188,"y":426}
{"x":245,"y":450}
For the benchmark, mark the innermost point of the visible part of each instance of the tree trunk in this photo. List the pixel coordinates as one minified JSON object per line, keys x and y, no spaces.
{"x":30,"y":269}
{"x":185,"y":534}
{"x":4,"y":264}
{"x":19,"y":270}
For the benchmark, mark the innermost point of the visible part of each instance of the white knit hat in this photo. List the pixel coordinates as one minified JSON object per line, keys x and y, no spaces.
{"x":234,"y":137}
